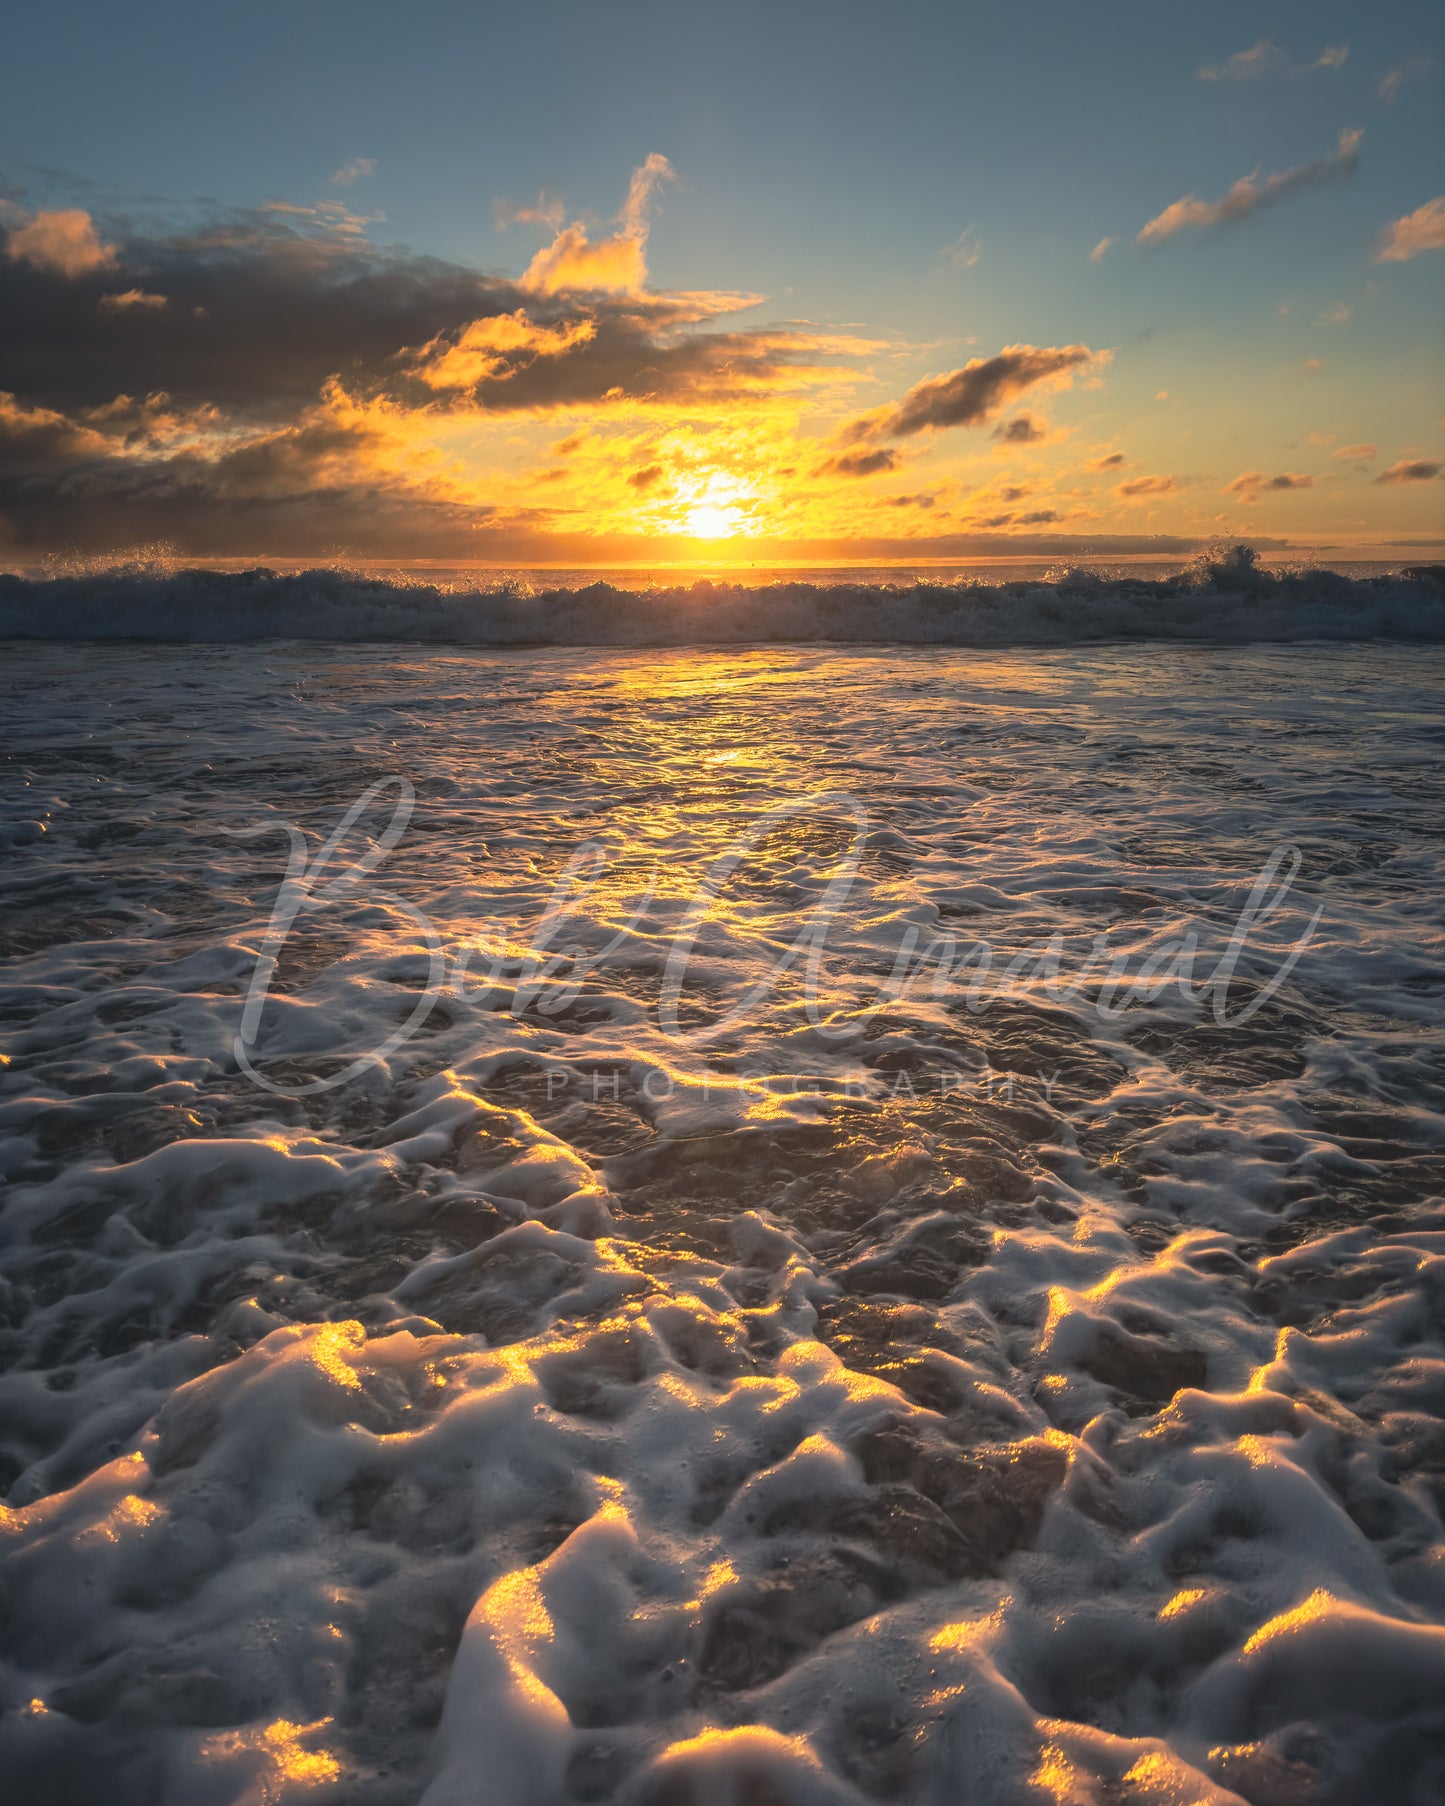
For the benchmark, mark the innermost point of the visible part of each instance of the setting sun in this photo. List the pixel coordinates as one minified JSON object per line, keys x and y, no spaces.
{"x":708,"y":521}
{"x":713,"y":507}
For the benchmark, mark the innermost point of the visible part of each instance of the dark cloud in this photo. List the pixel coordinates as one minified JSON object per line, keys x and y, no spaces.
{"x":1250,"y":483}
{"x":260,"y":310}
{"x":295,"y":491}
{"x":1411,"y":470}
{"x":1039,"y":518}
{"x":1021,"y":430}
{"x":860,"y":463}
{"x":970,"y":396}
{"x":1142,"y":486}
{"x":257,"y":317}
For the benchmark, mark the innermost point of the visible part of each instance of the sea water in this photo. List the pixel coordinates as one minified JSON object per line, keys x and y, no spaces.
{"x":734,"y":1223}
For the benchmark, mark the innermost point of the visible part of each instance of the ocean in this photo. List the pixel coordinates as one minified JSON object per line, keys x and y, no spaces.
{"x":780,"y":1192}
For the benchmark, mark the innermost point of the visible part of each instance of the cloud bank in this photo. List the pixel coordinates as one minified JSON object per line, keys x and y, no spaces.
{"x":269,"y":379}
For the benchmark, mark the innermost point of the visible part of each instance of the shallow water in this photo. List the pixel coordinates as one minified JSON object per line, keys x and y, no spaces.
{"x":731,"y":1377}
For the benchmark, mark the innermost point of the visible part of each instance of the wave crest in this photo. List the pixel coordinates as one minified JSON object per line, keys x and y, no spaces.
{"x":1225,"y":597}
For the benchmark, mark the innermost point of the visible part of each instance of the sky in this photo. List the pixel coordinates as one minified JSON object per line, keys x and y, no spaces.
{"x":655,"y":282}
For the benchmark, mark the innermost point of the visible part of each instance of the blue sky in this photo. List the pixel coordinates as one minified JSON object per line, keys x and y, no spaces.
{"x":827,"y":157}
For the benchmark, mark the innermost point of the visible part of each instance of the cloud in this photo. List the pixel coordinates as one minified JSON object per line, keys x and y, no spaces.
{"x":1249,"y":485}
{"x":1337,"y":315}
{"x":1040,"y":517}
{"x":1249,"y":194}
{"x":1138,"y":487}
{"x":972,"y":395}
{"x":616,"y":264}
{"x":1265,"y":58}
{"x":859,"y":463}
{"x":1260,"y":59}
{"x":1411,"y":470}
{"x":496,"y":347}
{"x":963,"y":252}
{"x":655,"y":173}
{"x":330,"y":221}
{"x":1097,"y":254}
{"x":353,"y":171}
{"x":572,"y":262}
{"x":64,"y":243}
{"x":34,"y":440}
{"x":1022,"y":430}
{"x":547,"y":210}
{"x":133,"y":297}
{"x":293,"y":490}
{"x":267,"y":381}
{"x":645,"y":478}
{"x":1355,"y":454}
{"x":1311,"y":365}
{"x":265,"y":307}
{"x":1106,"y":461}
{"x":1422,"y":230}
{"x":1394,"y":79}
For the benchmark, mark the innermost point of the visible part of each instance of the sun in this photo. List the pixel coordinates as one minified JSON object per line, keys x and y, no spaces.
{"x":713,"y":506}
{"x":709,"y":521}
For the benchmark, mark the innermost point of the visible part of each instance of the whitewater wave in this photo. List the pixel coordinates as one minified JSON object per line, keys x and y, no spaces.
{"x":1225,"y":599}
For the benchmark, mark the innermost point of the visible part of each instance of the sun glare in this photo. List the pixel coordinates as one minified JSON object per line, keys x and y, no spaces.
{"x":713,"y":507}
{"x":708,"y":521}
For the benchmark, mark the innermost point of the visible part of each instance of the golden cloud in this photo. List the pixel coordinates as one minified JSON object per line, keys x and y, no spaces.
{"x":495,"y":348}
{"x":64,"y":242}
{"x":614,"y":265}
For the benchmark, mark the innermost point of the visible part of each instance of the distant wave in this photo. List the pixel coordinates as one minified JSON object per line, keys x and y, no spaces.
{"x":1223,"y":599}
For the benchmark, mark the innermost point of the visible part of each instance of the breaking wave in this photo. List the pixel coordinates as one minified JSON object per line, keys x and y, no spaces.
{"x":1222,"y":598}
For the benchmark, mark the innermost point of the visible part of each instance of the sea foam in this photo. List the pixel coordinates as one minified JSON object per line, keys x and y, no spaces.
{"x":500,"y":1424}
